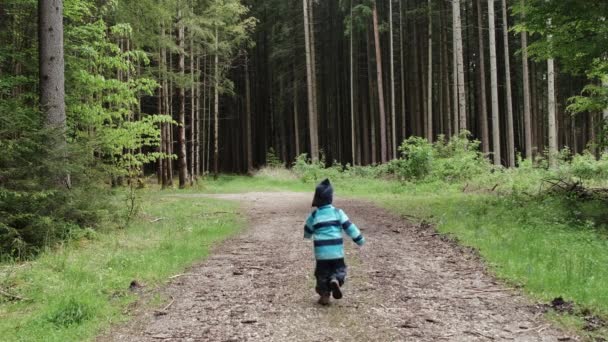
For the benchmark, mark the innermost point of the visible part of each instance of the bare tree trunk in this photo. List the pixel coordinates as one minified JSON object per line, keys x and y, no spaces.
{"x":526,"y":89}
{"x":209,"y":120}
{"x":551,"y":110}
{"x":202,"y":118}
{"x":494,"y":85}
{"x":370,"y":102}
{"x":52,"y":78}
{"x":181,"y":129}
{"x":483,"y":102}
{"x":296,"y":119}
{"x":248,"y":141}
{"x":383,"y":147}
{"x":446,"y":75}
{"x":216,"y":128}
{"x":462,"y":102}
{"x":167,"y":165}
{"x":510,"y":130}
{"x":197,"y":150}
{"x":392,"y":67}
{"x":403,"y":110}
{"x":313,"y":63}
{"x":159,"y":109}
{"x":192,"y":114}
{"x":429,"y":103}
{"x":352,"y":91}
{"x":313,"y":131}
{"x":552,"y":125}
{"x":605,"y":112}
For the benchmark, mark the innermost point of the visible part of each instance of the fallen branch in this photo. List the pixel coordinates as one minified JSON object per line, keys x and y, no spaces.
{"x":478,"y":334}
{"x":158,"y":219}
{"x":164,"y":310}
{"x":179,"y":275}
{"x":11,"y":296}
{"x":169,"y":305}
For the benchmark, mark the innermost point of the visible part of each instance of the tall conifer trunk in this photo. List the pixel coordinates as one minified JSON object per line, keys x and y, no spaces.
{"x":181,"y":129}
{"x":510,"y":130}
{"x":429,"y":103}
{"x":494,"y":85}
{"x":392,"y":71}
{"x":482,"y":100}
{"x":383,"y":147}
{"x":52,"y":79}
{"x":526,"y":90}
{"x":312,"y":117}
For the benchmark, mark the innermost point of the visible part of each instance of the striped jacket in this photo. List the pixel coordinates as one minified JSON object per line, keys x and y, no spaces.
{"x":325,"y":227}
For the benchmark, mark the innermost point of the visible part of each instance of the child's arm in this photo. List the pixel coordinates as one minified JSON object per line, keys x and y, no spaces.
{"x":308,"y":228}
{"x":351,"y":229}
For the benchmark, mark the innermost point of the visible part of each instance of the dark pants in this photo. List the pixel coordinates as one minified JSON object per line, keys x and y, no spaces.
{"x":325,"y":271}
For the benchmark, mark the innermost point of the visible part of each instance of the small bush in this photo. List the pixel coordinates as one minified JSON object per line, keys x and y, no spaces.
{"x":272,"y":160}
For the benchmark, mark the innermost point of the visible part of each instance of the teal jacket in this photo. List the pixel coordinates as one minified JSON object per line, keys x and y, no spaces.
{"x":324,"y":226}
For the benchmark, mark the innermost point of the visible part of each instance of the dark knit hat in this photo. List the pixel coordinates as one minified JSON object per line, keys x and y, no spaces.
{"x":324,"y":194}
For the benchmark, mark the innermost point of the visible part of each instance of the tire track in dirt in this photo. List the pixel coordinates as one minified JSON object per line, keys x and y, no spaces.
{"x":405,"y":284}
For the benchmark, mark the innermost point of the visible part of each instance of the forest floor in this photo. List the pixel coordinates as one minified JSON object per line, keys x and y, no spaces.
{"x":406,"y":284}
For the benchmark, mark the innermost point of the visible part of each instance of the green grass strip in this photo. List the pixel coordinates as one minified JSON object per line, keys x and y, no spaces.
{"x":75,"y":291}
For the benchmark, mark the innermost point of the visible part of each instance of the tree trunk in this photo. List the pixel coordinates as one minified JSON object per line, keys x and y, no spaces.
{"x":352,"y":90}
{"x":510,"y":130}
{"x":604,"y":121}
{"x":52,"y":78}
{"x":483,"y":102}
{"x":371,"y":99}
{"x":248,"y":141}
{"x":197,"y":150}
{"x":462,"y":102}
{"x":494,"y":85}
{"x":181,"y":129}
{"x":313,"y":63}
{"x":383,"y":147}
{"x":551,"y":112}
{"x":313,"y":131}
{"x":392,"y":67}
{"x":446,"y":76}
{"x":192,"y":114}
{"x":216,"y":127}
{"x":429,"y":94}
{"x":403,"y":111}
{"x":526,"y":89}
{"x":159,"y":110}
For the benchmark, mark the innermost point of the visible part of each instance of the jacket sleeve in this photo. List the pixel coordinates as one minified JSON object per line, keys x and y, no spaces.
{"x":351,"y":229}
{"x":308,"y":227}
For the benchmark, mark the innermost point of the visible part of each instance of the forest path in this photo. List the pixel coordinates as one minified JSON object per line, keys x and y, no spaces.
{"x":405,"y":284}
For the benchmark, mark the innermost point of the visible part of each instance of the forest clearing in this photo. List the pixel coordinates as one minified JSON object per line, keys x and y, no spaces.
{"x":159,"y":159}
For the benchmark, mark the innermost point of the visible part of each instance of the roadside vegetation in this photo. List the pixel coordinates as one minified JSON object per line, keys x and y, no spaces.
{"x":75,"y":290}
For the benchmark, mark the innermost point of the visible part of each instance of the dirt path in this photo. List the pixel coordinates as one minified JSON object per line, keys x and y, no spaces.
{"x":406,"y":284}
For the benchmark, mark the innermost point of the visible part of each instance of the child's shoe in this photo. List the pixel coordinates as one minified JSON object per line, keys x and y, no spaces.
{"x":324,"y":300}
{"x":334,"y":285}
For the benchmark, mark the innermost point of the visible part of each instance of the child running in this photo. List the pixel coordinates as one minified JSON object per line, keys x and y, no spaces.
{"x":324,"y":226}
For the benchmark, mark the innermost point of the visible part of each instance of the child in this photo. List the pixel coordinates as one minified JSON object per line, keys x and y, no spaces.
{"x":325,"y":226}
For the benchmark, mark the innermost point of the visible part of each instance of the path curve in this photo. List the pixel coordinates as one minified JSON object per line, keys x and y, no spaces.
{"x":406,"y":284}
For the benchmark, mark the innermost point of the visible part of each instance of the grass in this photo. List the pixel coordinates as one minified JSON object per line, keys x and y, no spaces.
{"x":75,"y":291}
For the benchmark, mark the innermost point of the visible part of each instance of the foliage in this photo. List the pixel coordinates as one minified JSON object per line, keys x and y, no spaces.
{"x":109,"y":76}
{"x":575,"y":33}
{"x":272,"y":160}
